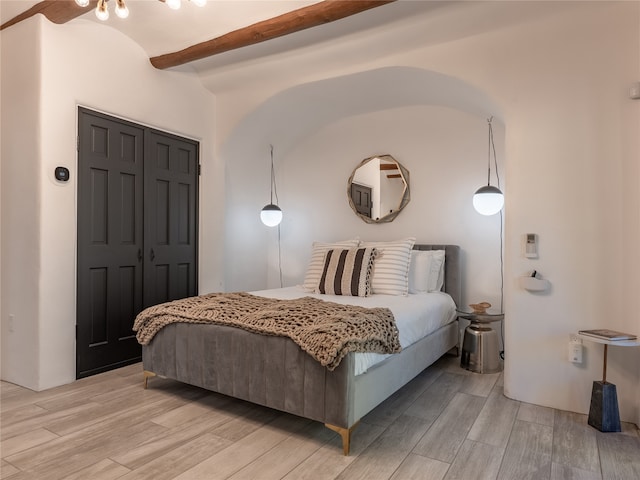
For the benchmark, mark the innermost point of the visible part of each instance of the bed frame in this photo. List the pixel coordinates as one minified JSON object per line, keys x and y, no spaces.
{"x":275,"y":372}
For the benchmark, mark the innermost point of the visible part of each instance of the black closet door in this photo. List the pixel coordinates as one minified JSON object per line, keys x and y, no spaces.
{"x":137,"y":233}
{"x":170,"y":213}
{"x":110,"y":242}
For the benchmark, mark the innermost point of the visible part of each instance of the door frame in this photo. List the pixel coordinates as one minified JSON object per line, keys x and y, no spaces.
{"x":146,"y":129}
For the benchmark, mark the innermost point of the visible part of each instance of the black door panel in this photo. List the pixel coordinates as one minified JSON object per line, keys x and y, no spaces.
{"x":170,"y":219}
{"x":137,"y":233}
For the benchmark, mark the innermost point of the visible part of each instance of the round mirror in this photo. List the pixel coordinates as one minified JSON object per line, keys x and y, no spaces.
{"x":378,"y":189}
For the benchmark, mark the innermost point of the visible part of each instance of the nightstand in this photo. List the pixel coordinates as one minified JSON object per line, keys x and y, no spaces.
{"x":480,"y":347}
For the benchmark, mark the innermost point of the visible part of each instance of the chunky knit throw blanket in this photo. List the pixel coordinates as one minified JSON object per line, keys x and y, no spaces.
{"x":325,"y":330}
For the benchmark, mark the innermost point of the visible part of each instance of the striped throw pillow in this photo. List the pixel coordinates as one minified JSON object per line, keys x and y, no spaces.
{"x":347,"y":272}
{"x":318,"y":252}
{"x":390,"y":274}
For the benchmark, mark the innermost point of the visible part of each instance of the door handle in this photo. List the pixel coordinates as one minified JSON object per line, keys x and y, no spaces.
{"x":152,"y":255}
{"x":139,"y":255}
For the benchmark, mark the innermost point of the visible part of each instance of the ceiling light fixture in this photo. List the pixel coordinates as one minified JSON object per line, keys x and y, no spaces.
{"x":271,"y":215}
{"x":173,"y":4}
{"x":102,"y":11}
{"x":489,"y":200}
{"x":121,"y":9}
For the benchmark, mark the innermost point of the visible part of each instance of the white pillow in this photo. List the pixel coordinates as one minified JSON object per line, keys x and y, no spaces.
{"x":437,"y":266}
{"x":426,"y":271}
{"x":419,"y":269}
{"x":390,"y":274}
{"x":316,"y":264}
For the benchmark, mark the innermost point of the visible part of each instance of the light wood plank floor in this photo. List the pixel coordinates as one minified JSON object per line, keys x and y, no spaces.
{"x":446,"y":424}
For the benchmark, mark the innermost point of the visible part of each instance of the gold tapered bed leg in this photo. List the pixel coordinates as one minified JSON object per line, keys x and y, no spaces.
{"x":345,"y":433}
{"x":146,"y":376}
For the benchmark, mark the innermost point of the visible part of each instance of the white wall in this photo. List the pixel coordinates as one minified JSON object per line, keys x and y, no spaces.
{"x":21,"y":202}
{"x":570,"y":149}
{"x":39,"y":214}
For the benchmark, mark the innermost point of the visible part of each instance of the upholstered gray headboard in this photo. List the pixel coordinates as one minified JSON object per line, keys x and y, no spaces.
{"x":452,"y":269}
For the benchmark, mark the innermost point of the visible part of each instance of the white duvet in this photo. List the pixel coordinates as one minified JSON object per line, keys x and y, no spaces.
{"x":416,"y":315}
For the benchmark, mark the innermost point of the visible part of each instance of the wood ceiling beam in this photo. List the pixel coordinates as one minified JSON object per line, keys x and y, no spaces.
{"x":57,"y":11}
{"x":62,"y":11}
{"x":291,"y":22}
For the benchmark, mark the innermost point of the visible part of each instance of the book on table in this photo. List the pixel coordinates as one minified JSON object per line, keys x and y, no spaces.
{"x":607,"y":334}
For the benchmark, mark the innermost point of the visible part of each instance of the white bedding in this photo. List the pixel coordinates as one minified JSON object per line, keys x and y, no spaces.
{"x":416,"y":315}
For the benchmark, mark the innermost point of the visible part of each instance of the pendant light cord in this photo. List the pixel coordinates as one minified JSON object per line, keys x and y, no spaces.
{"x":492,"y":149}
{"x":274,"y":189}
{"x":279,"y":257}
{"x":501,"y":284}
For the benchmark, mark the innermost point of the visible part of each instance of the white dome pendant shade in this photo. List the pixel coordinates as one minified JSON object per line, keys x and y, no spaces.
{"x":271,"y":214}
{"x":489,"y":200}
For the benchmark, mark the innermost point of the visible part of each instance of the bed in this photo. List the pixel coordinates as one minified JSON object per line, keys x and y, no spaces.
{"x":275,"y":372}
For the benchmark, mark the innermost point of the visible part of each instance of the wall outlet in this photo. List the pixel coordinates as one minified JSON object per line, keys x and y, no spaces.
{"x":575,"y":348}
{"x":575,"y":352}
{"x":12,"y":319}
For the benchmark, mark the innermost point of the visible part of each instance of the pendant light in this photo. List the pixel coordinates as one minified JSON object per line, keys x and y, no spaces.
{"x":489,"y":200}
{"x":271,"y":215}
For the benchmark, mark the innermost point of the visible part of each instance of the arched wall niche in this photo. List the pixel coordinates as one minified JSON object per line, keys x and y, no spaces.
{"x":293,"y":113}
{"x":286,"y":120}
